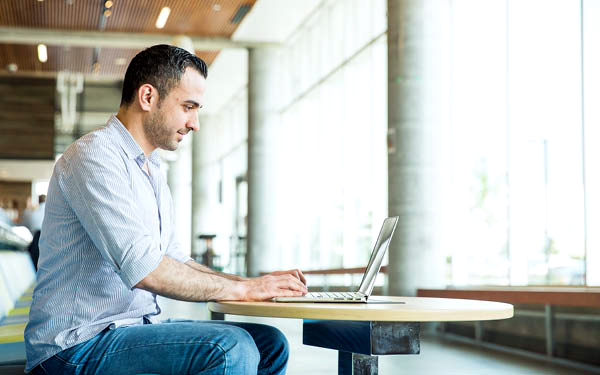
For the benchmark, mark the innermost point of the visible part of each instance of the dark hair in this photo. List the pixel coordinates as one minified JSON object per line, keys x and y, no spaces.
{"x":161,"y":66}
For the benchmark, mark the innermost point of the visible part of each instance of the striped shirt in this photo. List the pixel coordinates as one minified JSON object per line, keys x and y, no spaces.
{"x":107,"y":225}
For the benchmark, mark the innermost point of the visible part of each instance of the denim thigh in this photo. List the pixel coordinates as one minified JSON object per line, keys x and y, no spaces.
{"x":271,"y":343}
{"x":175,"y":347}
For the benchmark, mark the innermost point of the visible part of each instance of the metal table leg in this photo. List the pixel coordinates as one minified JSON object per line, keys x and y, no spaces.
{"x":357,"y":364}
{"x":360,"y":342}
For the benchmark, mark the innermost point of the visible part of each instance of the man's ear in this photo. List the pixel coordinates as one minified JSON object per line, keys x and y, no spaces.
{"x":147,"y":96}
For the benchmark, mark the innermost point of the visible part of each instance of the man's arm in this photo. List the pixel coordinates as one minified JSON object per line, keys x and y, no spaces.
{"x":181,"y":281}
{"x":202,"y":268}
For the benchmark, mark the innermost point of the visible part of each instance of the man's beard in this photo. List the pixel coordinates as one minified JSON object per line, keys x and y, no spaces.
{"x":157,"y":133}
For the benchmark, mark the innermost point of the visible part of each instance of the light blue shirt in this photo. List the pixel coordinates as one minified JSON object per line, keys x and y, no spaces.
{"x":107,"y":225}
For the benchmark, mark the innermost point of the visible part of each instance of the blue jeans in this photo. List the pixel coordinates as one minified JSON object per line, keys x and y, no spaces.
{"x":176,"y":347}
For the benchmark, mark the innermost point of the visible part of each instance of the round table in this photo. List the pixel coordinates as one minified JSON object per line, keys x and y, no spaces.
{"x":379,"y":308}
{"x":362,"y":331}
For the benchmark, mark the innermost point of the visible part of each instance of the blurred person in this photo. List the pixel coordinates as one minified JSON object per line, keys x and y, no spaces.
{"x":32,"y":217}
{"x":26,"y":212}
{"x":108,"y":247}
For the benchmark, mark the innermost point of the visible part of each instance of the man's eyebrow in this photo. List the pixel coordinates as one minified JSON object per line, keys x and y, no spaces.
{"x":193,"y":103}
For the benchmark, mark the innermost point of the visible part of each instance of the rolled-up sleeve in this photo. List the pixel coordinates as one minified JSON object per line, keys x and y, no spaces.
{"x":99,"y":193}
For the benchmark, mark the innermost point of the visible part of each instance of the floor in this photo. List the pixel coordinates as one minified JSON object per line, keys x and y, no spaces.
{"x":437,"y":356}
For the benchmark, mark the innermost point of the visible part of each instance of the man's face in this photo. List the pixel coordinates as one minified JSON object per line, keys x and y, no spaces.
{"x":177,"y":114}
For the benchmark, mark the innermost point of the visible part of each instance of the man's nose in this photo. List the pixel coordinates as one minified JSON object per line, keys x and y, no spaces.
{"x":192,"y":124}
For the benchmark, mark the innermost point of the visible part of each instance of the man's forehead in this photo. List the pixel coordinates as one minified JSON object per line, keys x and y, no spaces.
{"x":192,"y":74}
{"x":191,"y":86}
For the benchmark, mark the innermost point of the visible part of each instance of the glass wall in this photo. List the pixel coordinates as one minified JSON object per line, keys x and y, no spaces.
{"x":517,"y":141}
{"x":591,"y":117}
{"x":332,"y":184}
{"x":224,"y":155}
{"x":520,"y":182}
{"x":331,"y":162}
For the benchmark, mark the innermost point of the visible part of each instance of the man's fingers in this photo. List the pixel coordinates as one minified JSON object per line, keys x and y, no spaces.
{"x":298,"y":274}
{"x":295,"y":272}
{"x":291,"y":282}
{"x":296,"y":284}
{"x":301,"y":277}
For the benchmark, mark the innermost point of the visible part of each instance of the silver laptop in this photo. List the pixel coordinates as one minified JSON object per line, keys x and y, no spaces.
{"x":368,"y":280}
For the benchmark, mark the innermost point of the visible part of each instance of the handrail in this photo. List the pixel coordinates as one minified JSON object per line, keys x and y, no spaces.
{"x":558,"y":296}
{"x":341,"y":271}
{"x":337,"y":271}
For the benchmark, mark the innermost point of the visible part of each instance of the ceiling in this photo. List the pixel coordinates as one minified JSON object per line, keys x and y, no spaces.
{"x":205,"y":18}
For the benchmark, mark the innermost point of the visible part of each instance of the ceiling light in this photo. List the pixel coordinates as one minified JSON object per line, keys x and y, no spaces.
{"x":107,"y":13}
{"x":120,"y":61}
{"x":217,"y":7}
{"x":162,"y":17}
{"x":108,"y":4}
{"x":12,"y":67}
{"x":42,"y":53}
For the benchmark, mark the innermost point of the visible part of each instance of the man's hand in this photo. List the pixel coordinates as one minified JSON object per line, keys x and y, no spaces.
{"x":277,"y":284}
{"x":296,"y":273}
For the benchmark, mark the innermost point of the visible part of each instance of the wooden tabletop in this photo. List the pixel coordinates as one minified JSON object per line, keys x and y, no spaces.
{"x":414,"y":309}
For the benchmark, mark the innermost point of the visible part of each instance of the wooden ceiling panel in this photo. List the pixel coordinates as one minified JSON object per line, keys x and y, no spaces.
{"x":111,"y":61}
{"x":51,"y":14}
{"x":208,"y":18}
{"x":200,"y":17}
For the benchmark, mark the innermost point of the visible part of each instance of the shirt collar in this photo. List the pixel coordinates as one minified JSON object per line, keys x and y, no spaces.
{"x":129,"y":145}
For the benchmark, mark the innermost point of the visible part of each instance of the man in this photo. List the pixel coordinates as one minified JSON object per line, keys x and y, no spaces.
{"x":107,"y":249}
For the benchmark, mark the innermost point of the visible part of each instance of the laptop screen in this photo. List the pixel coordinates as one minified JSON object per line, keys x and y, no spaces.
{"x":382,"y":244}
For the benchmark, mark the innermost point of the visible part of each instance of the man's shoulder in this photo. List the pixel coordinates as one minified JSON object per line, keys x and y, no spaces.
{"x":98,"y":143}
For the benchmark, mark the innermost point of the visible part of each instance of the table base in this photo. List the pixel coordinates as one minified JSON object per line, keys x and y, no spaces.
{"x":360,"y":342}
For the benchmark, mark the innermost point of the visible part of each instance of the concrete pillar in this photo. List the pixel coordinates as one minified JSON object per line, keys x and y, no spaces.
{"x":263,"y":118}
{"x":179,"y":176}
{"x":198,"y":193}
{"x":415,"y":257}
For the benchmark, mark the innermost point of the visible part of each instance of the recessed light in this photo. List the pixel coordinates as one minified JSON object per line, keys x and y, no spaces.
{"x":107,"y":13}
{"x":120,"y":61}
{"x":108,"y":4}
{"x":217,"y":7}
{"x":162,"y":17}
{"x":12,"y":67}
{"x":42,"y":53}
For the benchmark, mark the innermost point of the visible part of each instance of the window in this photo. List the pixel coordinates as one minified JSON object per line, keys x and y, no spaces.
{"x":331,"y":184}
{"x":518,"y":213}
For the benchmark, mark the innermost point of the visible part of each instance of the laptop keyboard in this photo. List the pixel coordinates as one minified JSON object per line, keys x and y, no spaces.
{"x":335,"y":295}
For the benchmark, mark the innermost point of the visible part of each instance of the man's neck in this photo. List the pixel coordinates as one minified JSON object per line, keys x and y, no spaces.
{"x":134,"y":124}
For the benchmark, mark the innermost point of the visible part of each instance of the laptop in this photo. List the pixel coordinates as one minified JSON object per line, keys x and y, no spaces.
{"x":368,"y":280}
